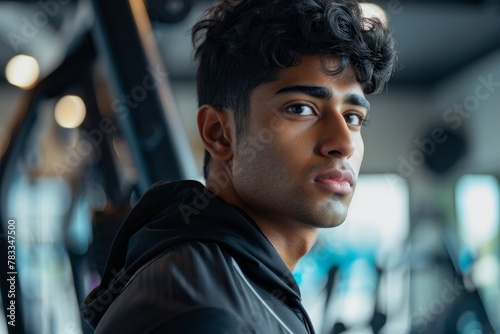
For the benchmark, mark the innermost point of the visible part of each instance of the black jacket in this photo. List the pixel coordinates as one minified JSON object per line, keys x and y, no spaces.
{"x":185,"y":261}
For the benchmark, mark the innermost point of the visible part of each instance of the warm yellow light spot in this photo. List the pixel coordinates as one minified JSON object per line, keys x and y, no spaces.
{"x":22,"y":71}
{"x":70,"y":111}
{"x":371,"y":10}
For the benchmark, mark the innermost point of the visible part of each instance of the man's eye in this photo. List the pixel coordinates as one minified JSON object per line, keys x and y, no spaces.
{"x":300,"y":109}
{"x":355,"y":119}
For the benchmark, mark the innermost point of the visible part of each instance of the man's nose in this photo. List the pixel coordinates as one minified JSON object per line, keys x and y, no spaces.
{"x":336,"y":138}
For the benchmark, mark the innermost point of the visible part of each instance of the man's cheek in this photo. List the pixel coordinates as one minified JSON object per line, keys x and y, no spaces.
{"x":358,"y":155}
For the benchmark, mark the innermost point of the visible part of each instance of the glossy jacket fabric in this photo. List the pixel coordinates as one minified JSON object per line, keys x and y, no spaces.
{"x":185,"y":261}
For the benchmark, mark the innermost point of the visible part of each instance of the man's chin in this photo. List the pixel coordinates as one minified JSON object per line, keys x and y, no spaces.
{"x":333,"y":215}
{"x":328,"y":222}
{"x":332,"y":224}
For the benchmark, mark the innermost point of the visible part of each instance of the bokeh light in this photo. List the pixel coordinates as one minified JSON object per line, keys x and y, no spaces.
{"x":70,"y":111}
{"x":22,"y":71}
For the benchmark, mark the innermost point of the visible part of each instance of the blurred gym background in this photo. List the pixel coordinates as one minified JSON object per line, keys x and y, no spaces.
{"x":98,"y":101}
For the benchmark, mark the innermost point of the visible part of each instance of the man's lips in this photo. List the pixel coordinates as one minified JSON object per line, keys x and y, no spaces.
{"x":336,"y":181}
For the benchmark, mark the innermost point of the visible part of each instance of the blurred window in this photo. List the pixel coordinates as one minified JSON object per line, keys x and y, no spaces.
{"x":477,"y":201}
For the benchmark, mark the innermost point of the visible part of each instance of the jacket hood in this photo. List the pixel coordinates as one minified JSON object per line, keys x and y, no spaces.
{"x":173,"y":213}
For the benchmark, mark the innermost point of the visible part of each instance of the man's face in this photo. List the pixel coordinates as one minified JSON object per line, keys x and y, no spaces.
{"x":300,"y":157}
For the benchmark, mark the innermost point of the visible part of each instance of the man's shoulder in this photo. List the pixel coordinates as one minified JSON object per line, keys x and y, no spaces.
{"x":190,"y":284}
{"x":207,"y":320}
{"x":196,"y":287}
{"x":194,"y":271}
{"x":201,"y":320}
{"x":192,"y":258}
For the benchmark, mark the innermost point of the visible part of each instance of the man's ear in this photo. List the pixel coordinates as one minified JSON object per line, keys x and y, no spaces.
{"x":215,"y":126}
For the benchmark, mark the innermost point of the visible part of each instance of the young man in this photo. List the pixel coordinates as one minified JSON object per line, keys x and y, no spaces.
{"x":281,"y":88}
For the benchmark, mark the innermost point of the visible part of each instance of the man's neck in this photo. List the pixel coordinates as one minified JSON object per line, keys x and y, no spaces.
{"x":291,"y":241}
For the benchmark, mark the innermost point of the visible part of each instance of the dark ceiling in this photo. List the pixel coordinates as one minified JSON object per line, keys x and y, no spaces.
{"x":434,"y":38}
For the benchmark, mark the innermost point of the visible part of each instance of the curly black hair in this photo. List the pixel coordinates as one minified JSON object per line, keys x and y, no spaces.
{"x":241,"y":44}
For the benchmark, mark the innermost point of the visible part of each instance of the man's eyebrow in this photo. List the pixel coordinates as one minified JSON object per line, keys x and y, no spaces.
{"x":320,"y":92}
{"x":325,"y":93}
{"x":357,"y":100}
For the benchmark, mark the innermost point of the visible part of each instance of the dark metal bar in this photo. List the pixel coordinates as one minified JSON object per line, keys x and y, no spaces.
{"x":143,"y":103}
